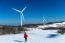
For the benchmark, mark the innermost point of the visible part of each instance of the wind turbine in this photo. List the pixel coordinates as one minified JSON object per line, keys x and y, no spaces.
{"x":21,"y":14}
{"x":44,"y":20}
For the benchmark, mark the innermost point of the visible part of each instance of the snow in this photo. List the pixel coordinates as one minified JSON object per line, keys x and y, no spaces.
{"x":52,"y":25}
{"x":34,"y":36}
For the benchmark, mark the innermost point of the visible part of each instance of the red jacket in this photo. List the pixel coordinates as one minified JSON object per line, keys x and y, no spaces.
{"x":25,"y":35}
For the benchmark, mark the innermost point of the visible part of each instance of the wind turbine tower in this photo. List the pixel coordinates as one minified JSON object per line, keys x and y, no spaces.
{"x":21,"y":14}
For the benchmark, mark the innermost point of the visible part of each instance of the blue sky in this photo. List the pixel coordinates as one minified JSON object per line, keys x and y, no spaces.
{"x":52,"y":10}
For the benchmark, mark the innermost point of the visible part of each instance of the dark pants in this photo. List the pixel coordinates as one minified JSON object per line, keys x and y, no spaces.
{"x":25,"y":39}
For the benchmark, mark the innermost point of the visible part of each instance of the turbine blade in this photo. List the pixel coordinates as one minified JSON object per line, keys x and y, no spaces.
{"x":16,"y":10}
{"x":23,"y":9}
{"x":23,"y":17}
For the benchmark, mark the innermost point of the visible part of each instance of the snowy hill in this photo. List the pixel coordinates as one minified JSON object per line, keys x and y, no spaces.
{"x":53,"y":25}
{"x":35,"y":36}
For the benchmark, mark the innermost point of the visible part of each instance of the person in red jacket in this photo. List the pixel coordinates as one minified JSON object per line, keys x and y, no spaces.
{"x":25,"y":36}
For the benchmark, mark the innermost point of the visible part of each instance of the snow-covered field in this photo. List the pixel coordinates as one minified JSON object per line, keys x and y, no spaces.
{"x":35,"y":36}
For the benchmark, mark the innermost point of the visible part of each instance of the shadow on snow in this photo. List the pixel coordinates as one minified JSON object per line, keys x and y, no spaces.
{"x":52,"y":36}
{"x":19,"y":41}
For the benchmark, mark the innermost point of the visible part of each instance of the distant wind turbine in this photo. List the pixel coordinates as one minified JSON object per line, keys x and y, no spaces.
{"x":21,"y":14}
{"x":44,"y":20}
